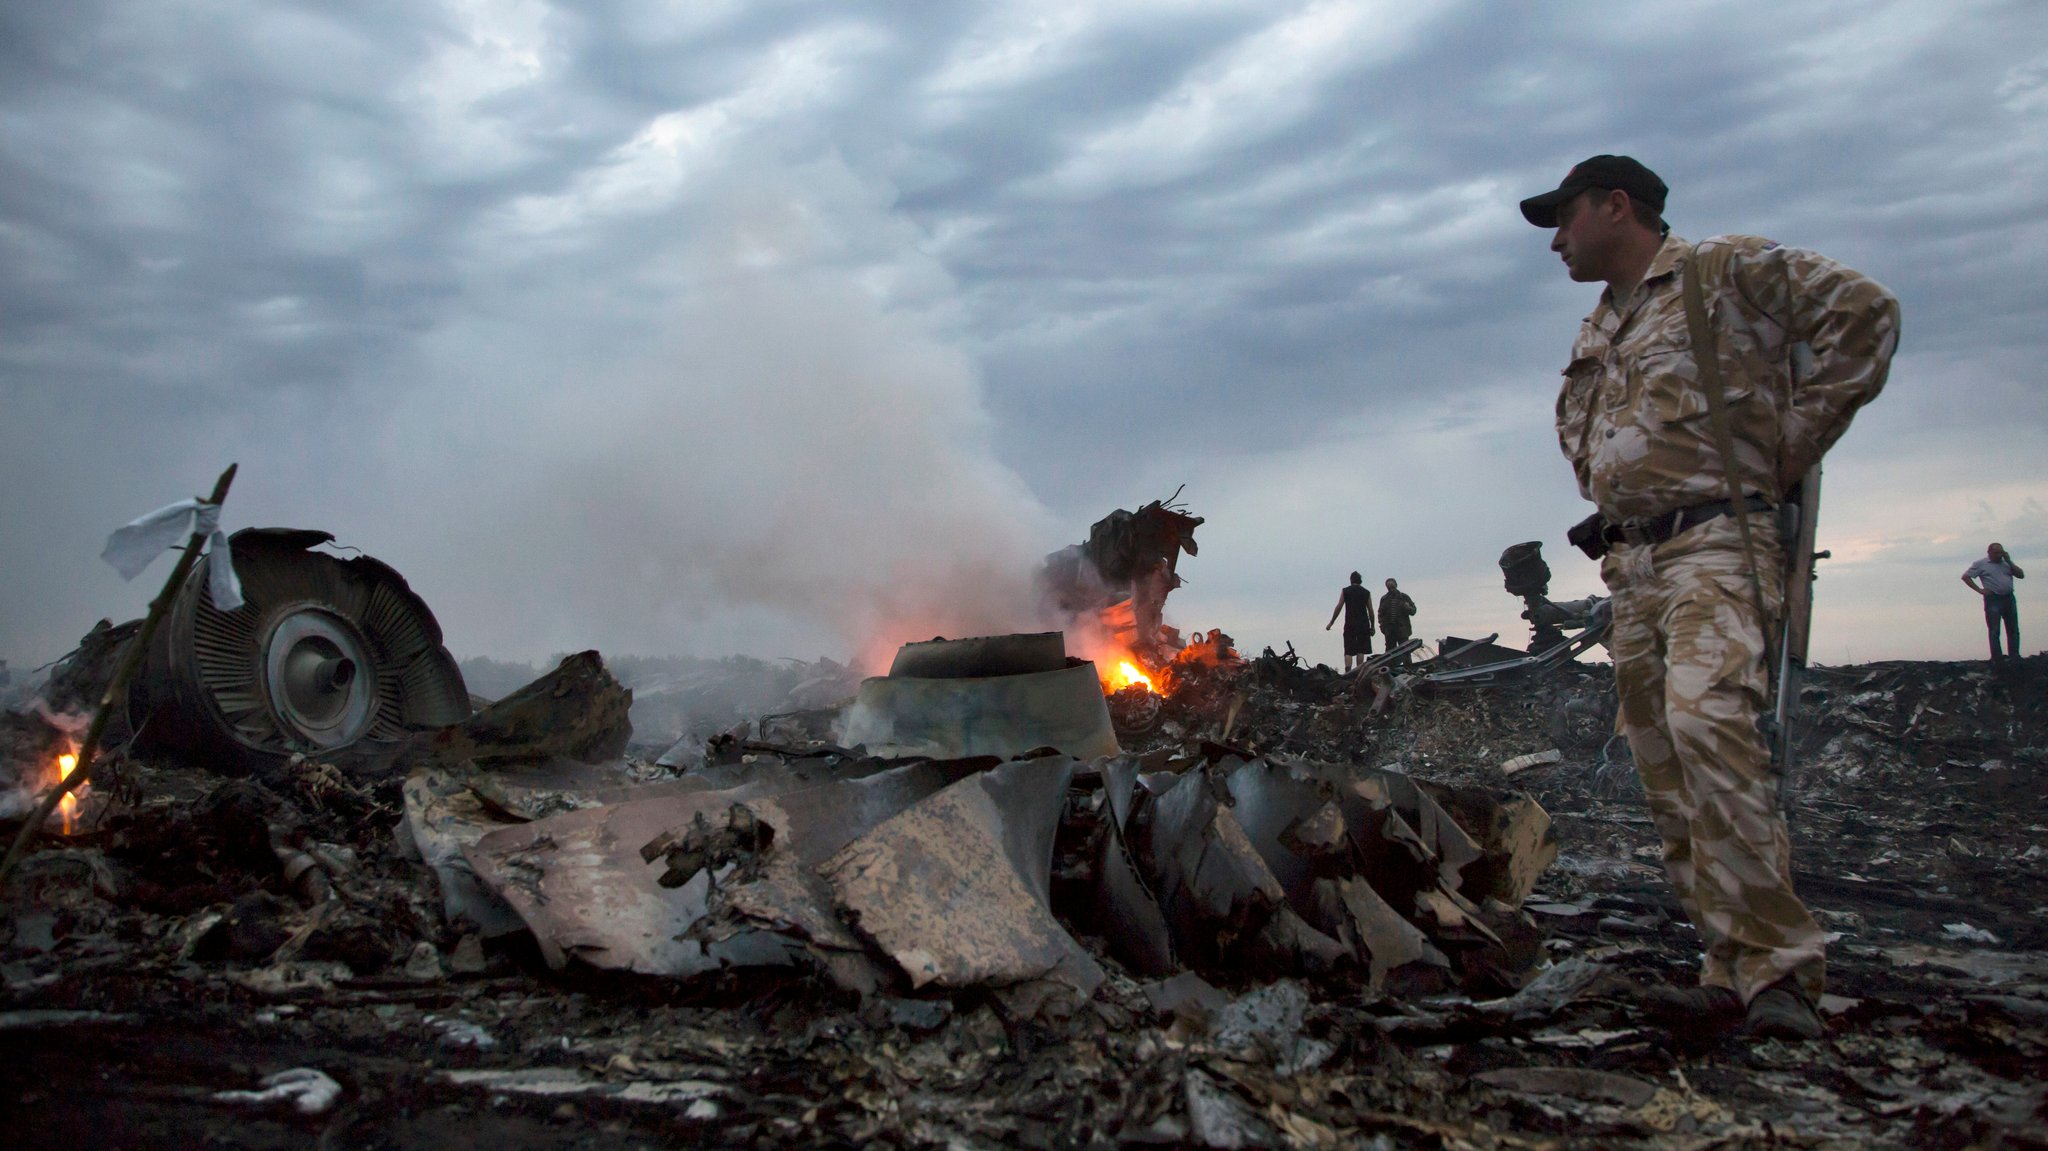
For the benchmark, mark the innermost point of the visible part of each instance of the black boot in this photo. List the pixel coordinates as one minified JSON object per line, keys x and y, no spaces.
{"x":1696,"y":1013}
{"x":1782,"y":1011}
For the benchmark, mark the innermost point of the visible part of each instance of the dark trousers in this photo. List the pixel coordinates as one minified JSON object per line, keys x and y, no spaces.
{"x":1394,"y":641}
{"x":2003,"y":609}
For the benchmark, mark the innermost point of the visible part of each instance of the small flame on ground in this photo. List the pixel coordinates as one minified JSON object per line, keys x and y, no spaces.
{"x":66,"y":764}
{"x":1127,"y":673}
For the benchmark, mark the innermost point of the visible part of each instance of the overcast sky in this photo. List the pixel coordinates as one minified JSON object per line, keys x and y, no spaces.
{"x":798,"y":329}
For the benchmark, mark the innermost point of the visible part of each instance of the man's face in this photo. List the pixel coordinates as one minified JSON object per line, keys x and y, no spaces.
{"x":1995,"y":552}
{"x":1390,"y":585}
{"x":1588,"y":233}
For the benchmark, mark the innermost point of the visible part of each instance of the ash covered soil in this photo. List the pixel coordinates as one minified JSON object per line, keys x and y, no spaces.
{"x":141,"y":981}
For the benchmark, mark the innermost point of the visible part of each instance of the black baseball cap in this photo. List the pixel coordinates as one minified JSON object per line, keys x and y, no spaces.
{"x":1621,"y":172}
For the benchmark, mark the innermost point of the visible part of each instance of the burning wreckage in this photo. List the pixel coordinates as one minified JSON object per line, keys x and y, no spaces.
{"x":1000,"y":895}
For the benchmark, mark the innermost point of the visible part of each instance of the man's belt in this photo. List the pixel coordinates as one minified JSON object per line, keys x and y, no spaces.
{"x":1652,"y":530}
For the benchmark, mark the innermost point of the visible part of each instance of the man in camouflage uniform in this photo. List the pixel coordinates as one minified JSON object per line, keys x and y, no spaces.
{"x":1690,"y":643}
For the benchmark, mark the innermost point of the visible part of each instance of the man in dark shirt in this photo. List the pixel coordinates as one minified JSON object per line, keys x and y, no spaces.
{"x":1356,"y":604}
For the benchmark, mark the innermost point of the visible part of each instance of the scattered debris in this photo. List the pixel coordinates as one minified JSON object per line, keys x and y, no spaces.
{"x":1276,"y":918}
{"x":1533,"y":759}
{"x":309,"y":1091}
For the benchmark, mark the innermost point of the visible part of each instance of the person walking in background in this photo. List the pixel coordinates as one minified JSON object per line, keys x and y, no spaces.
{"x":1355,"y":603}
{"x":1997,"y":571}
{"x":1396,"y":609}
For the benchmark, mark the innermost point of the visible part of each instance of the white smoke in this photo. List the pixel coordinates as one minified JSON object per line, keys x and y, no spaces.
{"x":756,"y":436}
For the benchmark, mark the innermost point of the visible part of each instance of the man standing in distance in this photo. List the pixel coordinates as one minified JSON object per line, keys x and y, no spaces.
{"x":2001,"y":606}
{"x":1396,"y":609}
{"x":1698,"y":579}
{"x":1356,"y":604}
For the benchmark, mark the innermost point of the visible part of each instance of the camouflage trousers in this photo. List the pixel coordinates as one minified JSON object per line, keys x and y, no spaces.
{"x":1689,"y":663}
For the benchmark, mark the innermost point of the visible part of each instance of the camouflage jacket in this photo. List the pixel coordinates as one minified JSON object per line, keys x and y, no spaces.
{"x":1802,"y":342}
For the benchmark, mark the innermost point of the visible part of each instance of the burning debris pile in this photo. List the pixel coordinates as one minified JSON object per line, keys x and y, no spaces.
{"x":1117,"y":582}
{"x":995,"y":898}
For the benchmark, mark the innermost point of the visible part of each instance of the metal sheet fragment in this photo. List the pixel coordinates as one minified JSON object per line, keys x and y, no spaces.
{"x":1269,"y":802}
{"x":442,"y":817}
{"x":1217,"y":1118}
{"x":1186,"y":995}
{"x":1135,"y":926}
{"x":787,"y":897}
{"x":1384,"y":941}
{"x":1440,"y":835}
{"x":1211,"y":882}
{"x":957,"y":889}
{"x":1525,"y":844}
{"x":1320,"y":837}
{"x":581,"y":886}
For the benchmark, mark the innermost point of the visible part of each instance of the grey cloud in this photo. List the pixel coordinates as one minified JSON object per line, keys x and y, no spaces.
{"x":294,"y":233}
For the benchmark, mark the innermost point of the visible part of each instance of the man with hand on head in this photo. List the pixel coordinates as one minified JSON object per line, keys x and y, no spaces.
{"x":1686,"y":425}
{"x":2001,"y":606}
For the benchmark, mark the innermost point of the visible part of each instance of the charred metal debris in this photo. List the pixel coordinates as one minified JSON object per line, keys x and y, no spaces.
{"x":962,"y":904}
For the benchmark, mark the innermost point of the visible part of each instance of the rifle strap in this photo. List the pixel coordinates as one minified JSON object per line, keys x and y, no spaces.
{"x":1706,"y":356}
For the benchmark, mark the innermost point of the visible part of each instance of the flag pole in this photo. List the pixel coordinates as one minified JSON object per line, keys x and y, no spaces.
{"x":117,"y":688}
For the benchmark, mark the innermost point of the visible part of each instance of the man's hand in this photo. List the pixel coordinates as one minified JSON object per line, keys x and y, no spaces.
{"x":1328,"y":626}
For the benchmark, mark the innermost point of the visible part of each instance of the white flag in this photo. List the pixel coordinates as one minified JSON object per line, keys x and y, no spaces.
{"x":133,"y":546}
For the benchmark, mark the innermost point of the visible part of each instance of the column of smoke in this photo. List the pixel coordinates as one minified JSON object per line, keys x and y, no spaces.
{"x":1075,"y":609}
{"x":789,"y":462}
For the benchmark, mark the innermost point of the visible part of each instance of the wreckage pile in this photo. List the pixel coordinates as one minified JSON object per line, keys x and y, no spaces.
{"x":946,"y":865}
{"x":1279,"y":918}
{"x":960,"y":874}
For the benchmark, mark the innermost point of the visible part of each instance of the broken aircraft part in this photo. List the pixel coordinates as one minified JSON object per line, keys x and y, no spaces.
{"x":1271,"y":866}
{"x":1527,"y":577}
{"x":1119,"y":579}
{"x":578,"y":712}
{"x":1135,"y":709}
{"x":957,"y":888}
{"x":1021,"y":654}
{"x":1131,"y":919}
{"x":326,"y":653}
{"x":584,"y":888}
{"x":978,"y":712}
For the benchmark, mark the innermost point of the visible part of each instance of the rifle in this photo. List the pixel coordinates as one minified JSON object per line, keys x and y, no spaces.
{"x":1798,"y":520}
{"x":1798,"y":517}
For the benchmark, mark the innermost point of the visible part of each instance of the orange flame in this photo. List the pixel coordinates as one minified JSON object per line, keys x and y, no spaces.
{"x":66,"y":764}
{"x":1127,"y":673}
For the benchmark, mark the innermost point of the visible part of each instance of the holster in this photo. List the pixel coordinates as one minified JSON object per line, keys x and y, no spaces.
{"x":1589,"y":535}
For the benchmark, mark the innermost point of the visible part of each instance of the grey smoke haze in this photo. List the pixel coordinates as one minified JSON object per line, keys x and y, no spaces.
{"x":768,"y":451}
{"x":785,"y":329}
